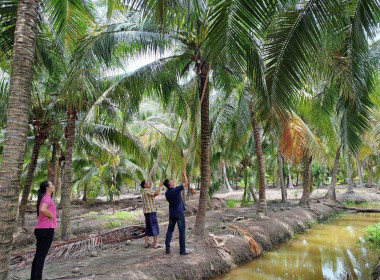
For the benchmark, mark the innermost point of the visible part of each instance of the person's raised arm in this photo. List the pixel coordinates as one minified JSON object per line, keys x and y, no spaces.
{"x":185,"y":182}
{"x":159,"y":188}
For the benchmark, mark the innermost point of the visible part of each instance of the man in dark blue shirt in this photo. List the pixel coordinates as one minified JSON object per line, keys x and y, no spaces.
{"x":176,"y":213}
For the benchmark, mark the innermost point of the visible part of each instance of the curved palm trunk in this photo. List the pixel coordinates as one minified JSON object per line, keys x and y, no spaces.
{"x":38,"y":142}
{"x":350,"y":185}
{"x":306,"y":159}
{"x":331,"y":192}
{"x":253,"y":194}
{"x":203,"y":89}
{"x":225,"y":177}
{"x":262,"y":205}
{"x":17,"y":126}
{"x":66,"y":188}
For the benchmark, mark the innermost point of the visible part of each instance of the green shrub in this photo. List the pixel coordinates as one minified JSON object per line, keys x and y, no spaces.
{"x":372,"y":237}
{"x":231,"y":203}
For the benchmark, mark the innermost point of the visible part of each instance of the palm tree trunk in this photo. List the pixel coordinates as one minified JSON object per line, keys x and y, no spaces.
{"x":370,"y":174}
{"x":224,"y":172}
{"x":203,"y":89}
{"x":84,"y":198}
{"x":350,"y":185}
{"x":360,"y":171}
{"x":290,"y":182}
{"x":52,"y":170}
{"x":17,"y":126}
{"x":38,"y":142}
{"x":66,"y":188}
{"x":253,"y":193}
{"x":331,"y":192}
{"x":281,"y":175}
{"x":306,"y":159}
{"x":262,"y":205}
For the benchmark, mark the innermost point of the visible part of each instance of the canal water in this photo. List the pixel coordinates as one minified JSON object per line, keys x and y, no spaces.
{"x":327,"y":251}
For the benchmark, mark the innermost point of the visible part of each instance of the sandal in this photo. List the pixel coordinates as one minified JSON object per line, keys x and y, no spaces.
{"x":158,"y":246}
{"x":147,"y":246}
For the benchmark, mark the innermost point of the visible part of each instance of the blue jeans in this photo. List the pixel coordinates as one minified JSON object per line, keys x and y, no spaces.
{"x":180,"y":220}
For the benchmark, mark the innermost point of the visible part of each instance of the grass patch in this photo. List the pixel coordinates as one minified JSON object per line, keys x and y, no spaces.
{"x":118,"y":219}
{"x":330,"y":217}
{"x":356,"y":203}
{"x":372,"y":237}
{"x":231,"y":203}
{"x":91,"y":213}
{"x":113,"y":224}
{"x":118,"y":215}
{"x":362,"y":204}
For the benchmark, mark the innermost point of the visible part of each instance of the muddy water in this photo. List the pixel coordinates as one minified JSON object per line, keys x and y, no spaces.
{"x":328,"y":251}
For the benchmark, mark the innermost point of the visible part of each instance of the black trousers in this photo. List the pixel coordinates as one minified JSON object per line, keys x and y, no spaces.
{"x":180,"y":221}
{"x":44,"y":239}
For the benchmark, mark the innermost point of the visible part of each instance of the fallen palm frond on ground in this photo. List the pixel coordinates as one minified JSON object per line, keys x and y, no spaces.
{"x":253,"y":246}
{"x":79,"y":246}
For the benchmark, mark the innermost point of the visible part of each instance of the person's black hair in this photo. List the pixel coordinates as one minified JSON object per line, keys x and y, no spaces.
{"x":41,"y":193}
{"x":143,"y":184}
{"x":166,"y":183}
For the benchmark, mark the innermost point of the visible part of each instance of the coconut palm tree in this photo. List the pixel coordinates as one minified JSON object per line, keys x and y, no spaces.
{"x":190,"y":54}
{"x":17,"y":127}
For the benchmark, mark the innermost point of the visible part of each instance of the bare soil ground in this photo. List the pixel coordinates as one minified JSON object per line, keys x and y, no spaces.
{"x":231,"y":235}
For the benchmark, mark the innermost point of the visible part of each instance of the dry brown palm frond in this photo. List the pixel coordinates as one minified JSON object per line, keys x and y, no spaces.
{"x":79,"y":246}
{"x":295,"y":138}
{"x":253,"y":246}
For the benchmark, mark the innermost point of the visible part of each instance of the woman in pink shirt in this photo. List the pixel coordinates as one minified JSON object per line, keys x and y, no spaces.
{"x":44,"y":231}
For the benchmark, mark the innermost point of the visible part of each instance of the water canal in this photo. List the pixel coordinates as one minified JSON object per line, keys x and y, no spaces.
{"x":327,"y":251}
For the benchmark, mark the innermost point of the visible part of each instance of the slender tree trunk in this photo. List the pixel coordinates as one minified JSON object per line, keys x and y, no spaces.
{"x":281,"y":175}
{"x":262,"y":205}
{"x":17,"y":126}
{"x":360,"y":171}
{"x":331,"y":191}
{"x":66,"y":188}
{"x":60,"y":176}
{"x":370,"y":174}
{"x":253,"y":193}
{"x":84,"y":198}
{"x":306,"y":178}
{"x":38,"y":142}
{"x":225,"y":177}
{"x":350,"y":185}
{"x":290,"y":182}
{"x":203,"y":89}
{"x":52,"y":170}
{"x":153,"y":169}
